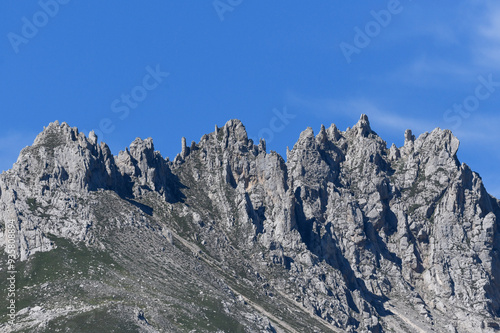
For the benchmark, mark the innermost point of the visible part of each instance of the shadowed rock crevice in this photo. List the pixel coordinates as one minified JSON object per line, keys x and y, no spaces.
{"x":347,"y":235}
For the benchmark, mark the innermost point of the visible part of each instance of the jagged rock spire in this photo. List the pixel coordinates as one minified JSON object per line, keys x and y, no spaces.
{"x":333,"y":133}
{"x":184,"y":148}
{"x":322,"y":135}
{"x":346,"y":222}
{"x":363,"y":126}
{"x":409,"y":137}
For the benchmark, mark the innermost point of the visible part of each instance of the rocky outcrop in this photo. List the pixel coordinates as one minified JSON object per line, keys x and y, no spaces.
{"x":362,"y":237}
{"x":143,"y":169}
{"x":43,"y":189}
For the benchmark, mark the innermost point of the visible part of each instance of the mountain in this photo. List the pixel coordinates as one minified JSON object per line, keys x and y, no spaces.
{"x":346,"y":235}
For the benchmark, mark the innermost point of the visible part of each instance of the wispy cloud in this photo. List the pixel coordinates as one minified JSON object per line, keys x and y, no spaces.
{"x":466,"y":43}
{"x":488,"y":38}
{"x":480,"y":133}
{"x":481,"y":129}
{"x":431,"y":72}
{"x":353,"y":108}
{"x":479,"y":148}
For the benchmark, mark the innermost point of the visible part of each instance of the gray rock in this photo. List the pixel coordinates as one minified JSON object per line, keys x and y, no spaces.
{"x":347,"y":235}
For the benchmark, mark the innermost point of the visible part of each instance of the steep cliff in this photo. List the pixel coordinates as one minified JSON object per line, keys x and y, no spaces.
{"x":347,"y":235}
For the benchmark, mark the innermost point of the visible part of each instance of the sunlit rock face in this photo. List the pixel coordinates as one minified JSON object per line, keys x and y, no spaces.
{"x":346,"y":235}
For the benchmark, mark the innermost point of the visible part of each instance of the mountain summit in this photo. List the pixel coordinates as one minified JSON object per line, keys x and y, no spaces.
{"x":347,"y":235}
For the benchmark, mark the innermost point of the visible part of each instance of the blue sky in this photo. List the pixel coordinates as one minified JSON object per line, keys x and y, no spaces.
{"x":167,"y":69}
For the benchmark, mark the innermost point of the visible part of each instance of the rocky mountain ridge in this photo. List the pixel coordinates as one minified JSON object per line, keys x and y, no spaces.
{"x":347,"y":235}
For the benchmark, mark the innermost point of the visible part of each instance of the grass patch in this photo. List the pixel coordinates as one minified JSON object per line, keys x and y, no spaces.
{"x":212,"y":318}
{"x":52,"y":140}
{"x":414,"y":188}
{"x":412,"y":208}
{"x":98,"y":320}
{"x":67,"y":260}
{"x":32,"y":204}
{"x":59,"y":268}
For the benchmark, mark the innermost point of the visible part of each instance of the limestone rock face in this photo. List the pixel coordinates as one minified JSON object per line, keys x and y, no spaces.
{"x":143,"y":169}
{"x":347,"y":235}
{"x":42,"y":191}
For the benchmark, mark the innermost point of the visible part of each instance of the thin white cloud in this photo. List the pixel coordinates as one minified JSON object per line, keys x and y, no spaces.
{"x":482,"y":129}
{"x":353,"y":108}
{"x":488,"y":41}
{"x":472,"y":30}
{"x":479,"y":131}
{"x":479,"y":128}
{"x":431,"y":72}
